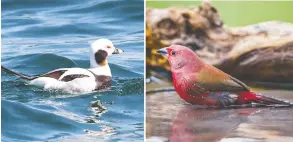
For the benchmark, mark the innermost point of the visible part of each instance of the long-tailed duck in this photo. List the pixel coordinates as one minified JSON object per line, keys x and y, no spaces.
{"x":78,"y":80}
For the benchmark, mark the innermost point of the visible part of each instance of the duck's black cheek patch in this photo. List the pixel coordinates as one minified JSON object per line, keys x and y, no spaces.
{"x":100,"y":56}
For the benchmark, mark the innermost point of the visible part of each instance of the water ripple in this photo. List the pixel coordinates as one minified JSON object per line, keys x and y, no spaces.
{"x":39,"y":36}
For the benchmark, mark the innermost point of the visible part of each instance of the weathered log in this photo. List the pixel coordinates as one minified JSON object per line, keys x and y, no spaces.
{"x":260,"y":52}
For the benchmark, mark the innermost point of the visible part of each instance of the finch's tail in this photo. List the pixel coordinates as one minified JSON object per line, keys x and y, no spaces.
{"x":22,"y":76}
{"x":251,"y":97}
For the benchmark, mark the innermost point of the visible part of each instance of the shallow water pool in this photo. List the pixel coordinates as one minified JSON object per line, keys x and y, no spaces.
{"x":171,"y":119}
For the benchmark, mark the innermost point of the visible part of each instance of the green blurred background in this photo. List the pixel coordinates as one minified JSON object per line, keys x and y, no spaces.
{"x":240,"y":13}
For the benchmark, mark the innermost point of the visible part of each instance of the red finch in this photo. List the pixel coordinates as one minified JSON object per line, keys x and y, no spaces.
{"x":202,"y":84}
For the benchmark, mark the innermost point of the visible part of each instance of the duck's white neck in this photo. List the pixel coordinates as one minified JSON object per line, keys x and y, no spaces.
{"x":101,"y":70}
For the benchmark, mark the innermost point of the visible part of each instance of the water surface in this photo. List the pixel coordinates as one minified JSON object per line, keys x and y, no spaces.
{"x":39,"y":36}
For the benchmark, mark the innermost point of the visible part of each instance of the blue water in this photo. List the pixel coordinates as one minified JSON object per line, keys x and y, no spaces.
{"x":42,"y":35}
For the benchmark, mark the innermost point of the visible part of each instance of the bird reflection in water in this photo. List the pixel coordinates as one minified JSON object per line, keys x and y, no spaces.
{"x":193,"y":124}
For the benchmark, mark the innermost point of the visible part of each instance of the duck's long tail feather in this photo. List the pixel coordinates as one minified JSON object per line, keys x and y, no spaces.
{"x":22,"y":76}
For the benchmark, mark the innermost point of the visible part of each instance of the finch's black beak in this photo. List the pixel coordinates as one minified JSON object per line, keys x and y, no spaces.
{"x":163,"y":51}
{"x":117,"y":51}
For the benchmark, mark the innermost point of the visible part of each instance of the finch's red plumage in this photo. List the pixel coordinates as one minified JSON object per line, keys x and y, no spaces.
{"x":203,"y":84}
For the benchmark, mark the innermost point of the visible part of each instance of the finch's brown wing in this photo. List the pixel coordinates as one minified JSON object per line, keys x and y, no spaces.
{"x":190,"y":85}
{"x":212,"y":79}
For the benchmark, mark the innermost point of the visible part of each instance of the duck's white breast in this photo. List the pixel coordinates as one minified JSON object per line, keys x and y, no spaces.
{"x":78,"y":85}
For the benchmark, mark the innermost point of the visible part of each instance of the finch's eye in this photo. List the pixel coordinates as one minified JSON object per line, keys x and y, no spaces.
{"x":173,"y":53}
{"x":108,"y":46}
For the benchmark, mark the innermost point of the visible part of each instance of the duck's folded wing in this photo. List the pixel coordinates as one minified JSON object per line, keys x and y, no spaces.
{"x":53,"y":74}
{"x":72,"y":77}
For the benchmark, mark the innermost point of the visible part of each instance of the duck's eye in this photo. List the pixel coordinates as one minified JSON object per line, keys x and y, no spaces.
{"x":108,"y":46}
{"x":173,"y":53}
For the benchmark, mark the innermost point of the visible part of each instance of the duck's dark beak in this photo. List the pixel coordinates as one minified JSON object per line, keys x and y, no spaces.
{"x":163,"y":51}
{"x":117,"y":51}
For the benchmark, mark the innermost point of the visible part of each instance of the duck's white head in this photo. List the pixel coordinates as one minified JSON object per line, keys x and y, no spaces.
{"x":100,"y":50}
